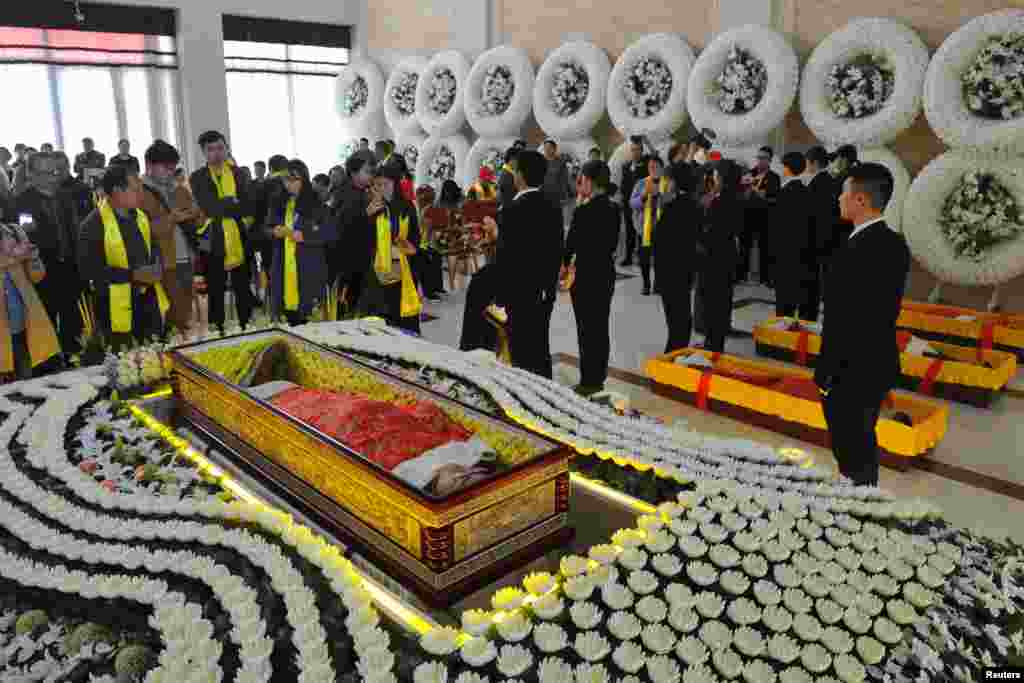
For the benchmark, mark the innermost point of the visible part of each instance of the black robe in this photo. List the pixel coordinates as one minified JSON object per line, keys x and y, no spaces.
{"x":796,"y":250}
{"x":318,"y":232}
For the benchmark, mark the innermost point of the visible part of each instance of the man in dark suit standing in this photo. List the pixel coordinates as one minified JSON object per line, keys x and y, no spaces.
{"x":796,"y":260}
{"x":859,"y":360}
{"x":824,"y":215}
{"x":222,"y":193}
{"x":762,"y":190}
{"x":634,"y":170}
{"x":529,"y":259}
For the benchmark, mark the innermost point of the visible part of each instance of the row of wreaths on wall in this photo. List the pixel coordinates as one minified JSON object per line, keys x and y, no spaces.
{"x":864,"y":85}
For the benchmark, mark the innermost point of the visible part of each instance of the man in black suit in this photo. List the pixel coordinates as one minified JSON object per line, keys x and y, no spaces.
{"x":529,"y":259}
{"x":824,"y":215}
{"x":859,"y":360}
{"x":762,"y":190}
{"x":635,"y":169}
{"x":221,"y":192}
{"x":796,"y":260}
{"x":590,"y":257}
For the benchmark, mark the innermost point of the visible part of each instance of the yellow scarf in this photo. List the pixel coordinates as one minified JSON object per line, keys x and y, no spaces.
{"x":410,"y":303}
{"x":291,"y":270}
{"x":484,"y":191}
{"x":224,"y":181}
{"x":117,"y":257}
{"x":649,"y":218}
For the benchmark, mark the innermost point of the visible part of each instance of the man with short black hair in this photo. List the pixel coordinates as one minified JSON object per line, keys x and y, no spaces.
{"x":364,"y":145}
{"x":632,"y":171}
{"x":529,"y":259}
{"x":589,"y":265}
{"x":557,"y":185}
{"x":88,"y":158}
{"x":796,"y":249}
{"x":259,"y":170}
{"x":120,"y":255}
{"x":762,"y":191}
{"x":355,"y":227}
{"x":219,"y":190}
{"x":822,"y":194}
{"x":860,"y":361}
{"x":124,"y":155}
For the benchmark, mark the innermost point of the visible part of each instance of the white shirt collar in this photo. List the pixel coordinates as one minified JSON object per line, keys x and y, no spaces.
{"x":796,"y":178}
{"x":526,"y":191}
{"x":861,"y":227}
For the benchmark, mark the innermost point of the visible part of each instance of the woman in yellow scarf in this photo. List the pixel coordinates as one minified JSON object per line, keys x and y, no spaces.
{"x":647,"y":201}
{"x":301,"y":235}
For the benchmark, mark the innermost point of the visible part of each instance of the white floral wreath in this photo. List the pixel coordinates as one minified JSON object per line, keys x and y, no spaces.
{"x":900,"y":47}
{"x":783,"y":69}
{"x":923,"y":209}
{"x":447,"y":122}
{"x":484,"y":149}
{"x":944,"y":103}
{"x":410,"y":145}
{"x":401,"y":85}
{"x":901,"y":181}
{"x":594,"y":63}
{"x":667,"y":51}
{"x":508,"y":66}
{"x":369,"y":73}
{"x":456,"y":144}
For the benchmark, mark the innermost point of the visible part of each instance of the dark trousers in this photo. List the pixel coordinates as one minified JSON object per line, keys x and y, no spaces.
{"x":477,"y":333}
{"x":851,"y":416}
{"x":630,"y":236}
{"x":217,"y":280}
{"x":717,"y":295}
{"x":60,"y":291}
{"x":698,"y":306}
{"x":592,"y":305}
{"x":746,"y":242}
{"x":798,"y":299}
{"x":678,"y":318}
{"x":530,"y":337}
{"x":427,"y":268}
{"x":645,"y":266}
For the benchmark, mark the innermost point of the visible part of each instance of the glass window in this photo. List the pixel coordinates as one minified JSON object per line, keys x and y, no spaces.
{"x":137,"y":109}
{"x":87,"y":107}
{"x":258,"y":112}
{"x":28,"y":118}
{"x":317,"y":124}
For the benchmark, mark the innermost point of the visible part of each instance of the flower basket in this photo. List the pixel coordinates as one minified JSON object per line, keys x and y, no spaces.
{"x":400,"y":96}
{"x":440,"y":93}
{"x":957,"y":375}
{"x":743,"y":85}
{"x":499,"y":92}
{"x":647,"y":88}
{"x":862,"y":84}
{"x":569,"y":94}
{"x":441,"y":159}
{"x":964,"y":326}
{"x":951,"y":86}
{"x":785,"y":400}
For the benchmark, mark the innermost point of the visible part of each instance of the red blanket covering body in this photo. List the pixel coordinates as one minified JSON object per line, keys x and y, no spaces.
{"x":385,"y":433}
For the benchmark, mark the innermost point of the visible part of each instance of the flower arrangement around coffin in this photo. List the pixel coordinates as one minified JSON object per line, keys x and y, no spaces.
{"x":994,"y":82}
{"x":441,"y":91}
{"x":403,"y":93}
{"x":498,"y":88}
{"x":647,"y":87}
{"x":861,"y":86}
{"x":979,"y":215}
{"x":569,"y":89}
{"x":742,"y":83}
{"x":355,"y":97}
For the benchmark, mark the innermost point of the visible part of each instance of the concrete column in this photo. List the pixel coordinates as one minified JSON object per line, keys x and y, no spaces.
{"x":201,"y":70}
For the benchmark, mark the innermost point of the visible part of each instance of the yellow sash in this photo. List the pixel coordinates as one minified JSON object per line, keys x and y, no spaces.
{"x":410,"y":303}
{"x":117,"y":257}
{"x":291,"y":270}
{"x":234,"y":255}
{"x":648,"y":222}
{"x":484,"y":191}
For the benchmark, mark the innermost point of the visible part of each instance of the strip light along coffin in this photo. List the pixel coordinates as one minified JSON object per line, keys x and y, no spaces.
{"x":445,"y":546}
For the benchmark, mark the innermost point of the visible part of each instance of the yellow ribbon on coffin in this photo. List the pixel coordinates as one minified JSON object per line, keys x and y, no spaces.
{"x":224,"y":181}
{"x":410,"y":303}
{"x":291,"y":270}
{"x":117,"y":257}
{"x":649,"y":217}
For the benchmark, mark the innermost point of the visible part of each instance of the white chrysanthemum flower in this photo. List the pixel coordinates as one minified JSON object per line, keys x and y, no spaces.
{"x":591,"y":646}
{"x":514,"y":660}
{"x":550,"y":638}
{"x":629,"y":657}
{"x":440,"y":641}
{"x":515,"y":626}
{"x":548,"y":606}
{"x":478,"y":652}
{"x":539,"y":583}
{"x":475,"y":622}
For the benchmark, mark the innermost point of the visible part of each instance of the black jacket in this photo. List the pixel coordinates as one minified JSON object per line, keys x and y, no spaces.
{"x":355,"y":230}
{"x":721,"y":223}
{"x":216,"y":209}
{"x":55,"y":230}
{"x":795,"y":248}
{"x":824,"y":211}
{"x":530,"y":250}
{"x":675,"y":247}
{"x":593,"y":239}
{"x":858,"y":346}
{"x":631,"y":173}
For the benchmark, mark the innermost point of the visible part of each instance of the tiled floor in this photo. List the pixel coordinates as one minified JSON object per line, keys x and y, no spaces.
{"x":977,"y":441}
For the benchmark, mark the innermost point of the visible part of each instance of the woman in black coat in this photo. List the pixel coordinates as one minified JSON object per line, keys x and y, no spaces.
{"x":675,"y":256}
{"x":300,"y":222}
{"x":721,"y":221}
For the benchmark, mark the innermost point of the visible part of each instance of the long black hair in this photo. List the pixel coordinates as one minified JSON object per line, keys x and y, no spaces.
{"x":307,"y":203}
{"x":730,"y":173}
{"x":451,"y":194}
